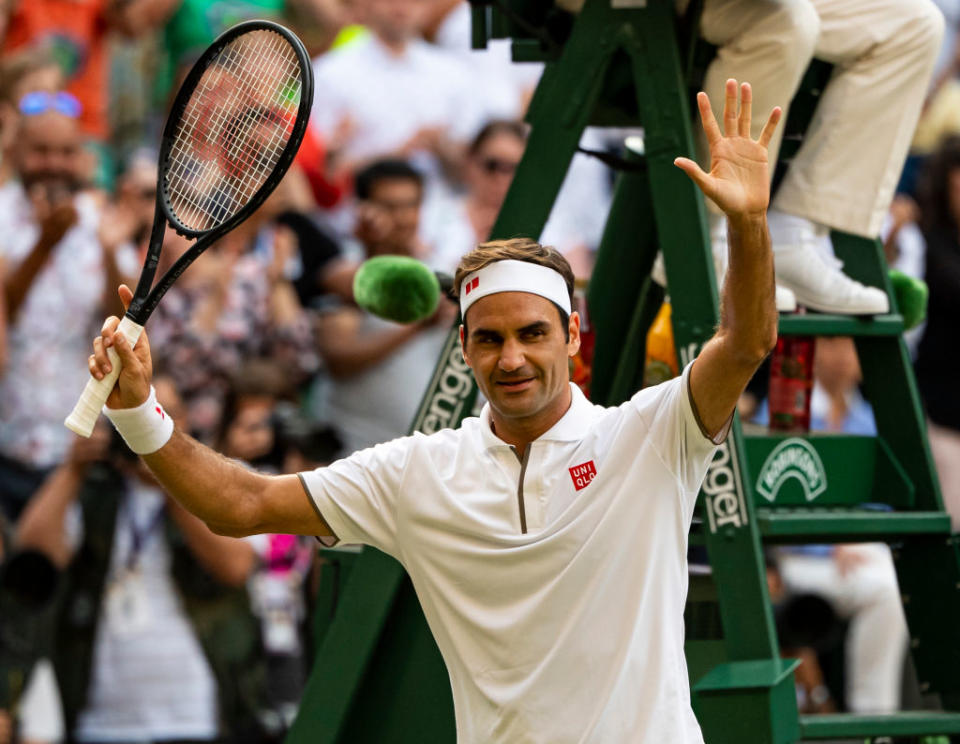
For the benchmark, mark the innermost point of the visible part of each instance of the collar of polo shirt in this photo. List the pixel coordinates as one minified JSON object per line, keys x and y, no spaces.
{"x":514,"y":276}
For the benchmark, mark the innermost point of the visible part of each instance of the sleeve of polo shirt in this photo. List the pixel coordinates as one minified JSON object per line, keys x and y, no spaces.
{"x":357,"y":496}
{"x":677,"y":434}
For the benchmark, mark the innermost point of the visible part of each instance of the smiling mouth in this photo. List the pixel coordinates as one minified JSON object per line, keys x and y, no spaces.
{"x":513,"y":384}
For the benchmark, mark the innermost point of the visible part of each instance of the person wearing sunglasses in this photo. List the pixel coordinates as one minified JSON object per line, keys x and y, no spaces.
{"x":56,"y":271}
{"x":454,"y":227}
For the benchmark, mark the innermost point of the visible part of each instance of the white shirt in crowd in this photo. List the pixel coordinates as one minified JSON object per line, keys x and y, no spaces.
{"x":379,"y":403}
{"x":499,"y":85}
{"x":554,"y":586}
{"x":49,"y":340}
{"x":150,"y":679}
{"x":389,"y":98}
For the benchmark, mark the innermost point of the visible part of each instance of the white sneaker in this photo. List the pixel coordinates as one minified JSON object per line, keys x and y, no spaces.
{"x":786,"y":301}
{"x":805,"y":264}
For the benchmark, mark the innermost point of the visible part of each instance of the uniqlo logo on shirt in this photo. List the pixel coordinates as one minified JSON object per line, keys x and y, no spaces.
{"x":474,"y":283}
{"x":583,"y":474}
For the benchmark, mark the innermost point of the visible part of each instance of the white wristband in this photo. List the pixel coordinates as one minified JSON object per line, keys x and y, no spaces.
{"x":145,"y":428}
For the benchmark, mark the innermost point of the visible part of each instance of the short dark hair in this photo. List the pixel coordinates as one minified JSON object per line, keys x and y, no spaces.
{"x":495,"y":127}
{"x":516,"y":249}
{"x":366,"y":180}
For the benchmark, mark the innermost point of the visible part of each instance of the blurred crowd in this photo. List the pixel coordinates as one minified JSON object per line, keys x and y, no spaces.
{"x":122,"y":617}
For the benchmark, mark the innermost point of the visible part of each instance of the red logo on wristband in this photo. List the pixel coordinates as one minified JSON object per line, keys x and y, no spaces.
{"x":160,"y":411}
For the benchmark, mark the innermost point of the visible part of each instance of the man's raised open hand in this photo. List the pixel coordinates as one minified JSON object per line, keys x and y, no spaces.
{"x":739,"y":179}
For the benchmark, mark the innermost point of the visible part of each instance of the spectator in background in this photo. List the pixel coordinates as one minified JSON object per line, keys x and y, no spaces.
{"x":456,"y":225}
{"x":6,"y":698}
{"x":190,"y":26}
{"x":21,"y":73}
{"x":836,"y":403}
{"x":858,"y":581}
{"x":75,"y":33}
{"x":905,"y":250}
{"x":940,"y":116}
{"x":246,"y":429}
{"x":380,"y":369}
{"x":840,"y":178}
{"x":399,"y":95}
{"x":938,"y":356}
{"x":322,"y":24}
{"x":250,"y":432}
{"x":236,"y":302}
{"x":58,"y":270}
{"x":142,"y":651}
{"x":492,"y":158}
{"x":29,"y":702}
{"x":3,"y":330}
{"x":502,"y":88}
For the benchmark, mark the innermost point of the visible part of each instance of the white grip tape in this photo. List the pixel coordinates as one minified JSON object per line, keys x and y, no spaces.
{"x":84,"y":415}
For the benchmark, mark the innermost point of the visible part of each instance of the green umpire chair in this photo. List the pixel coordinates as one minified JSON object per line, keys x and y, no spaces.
{"x":378,"y":676}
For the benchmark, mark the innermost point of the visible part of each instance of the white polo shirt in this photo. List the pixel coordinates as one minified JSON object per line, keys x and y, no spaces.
{"x":554,"y":587}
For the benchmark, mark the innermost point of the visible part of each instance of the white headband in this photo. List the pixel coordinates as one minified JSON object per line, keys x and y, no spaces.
{"x":514,"y":276}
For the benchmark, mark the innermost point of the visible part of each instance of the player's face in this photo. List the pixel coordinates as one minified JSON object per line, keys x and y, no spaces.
{"x":520,"y":355}
{"x":48,"y":151}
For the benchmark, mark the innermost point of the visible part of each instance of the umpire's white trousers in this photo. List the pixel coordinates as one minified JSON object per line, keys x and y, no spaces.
{"x":869,"y":597}
{"x":883,"y":50}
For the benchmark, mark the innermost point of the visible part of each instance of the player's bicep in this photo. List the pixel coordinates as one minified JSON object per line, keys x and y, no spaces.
{"x":286,"y":508}
{"x":717,"y":379}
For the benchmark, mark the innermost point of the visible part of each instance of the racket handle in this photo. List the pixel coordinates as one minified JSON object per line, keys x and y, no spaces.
{"x":84,"y":415}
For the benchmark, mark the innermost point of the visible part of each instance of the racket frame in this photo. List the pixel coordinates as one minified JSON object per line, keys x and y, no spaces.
{"x":84,"y":415}
{"x":145,"y":299}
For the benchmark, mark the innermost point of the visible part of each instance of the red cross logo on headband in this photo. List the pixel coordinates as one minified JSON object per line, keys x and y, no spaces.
{"x":473,"y":284}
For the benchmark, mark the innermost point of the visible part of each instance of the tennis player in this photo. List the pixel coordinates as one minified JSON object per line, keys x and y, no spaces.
{"x":547,"y":538}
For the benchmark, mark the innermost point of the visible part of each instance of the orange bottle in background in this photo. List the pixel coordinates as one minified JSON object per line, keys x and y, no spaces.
{"x":660,"y":363}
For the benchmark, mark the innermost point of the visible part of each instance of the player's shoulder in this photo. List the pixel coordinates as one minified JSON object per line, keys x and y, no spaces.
{"x":443,"y":441}
{"x":398,"y":451}
{"x":650,"y":400}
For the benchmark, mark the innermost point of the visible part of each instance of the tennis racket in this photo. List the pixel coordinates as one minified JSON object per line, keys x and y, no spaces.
{"x":233,"y":131}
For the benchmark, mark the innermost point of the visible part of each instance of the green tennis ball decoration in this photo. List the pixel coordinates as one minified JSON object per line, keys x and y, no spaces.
{"x":912,"y":295}
{"x":397,"y":288}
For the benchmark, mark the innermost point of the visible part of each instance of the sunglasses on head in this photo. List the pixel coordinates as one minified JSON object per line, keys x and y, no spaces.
{"x":496,"y":165}
{"x":40,"y":102}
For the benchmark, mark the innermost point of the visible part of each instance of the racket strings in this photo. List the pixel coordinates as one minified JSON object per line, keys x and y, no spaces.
{"x":233,"y":129}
